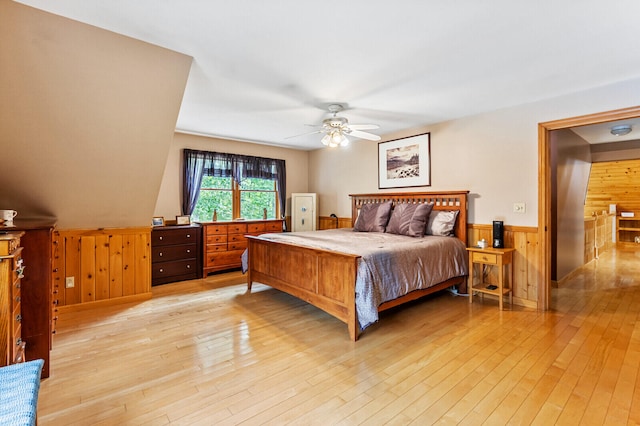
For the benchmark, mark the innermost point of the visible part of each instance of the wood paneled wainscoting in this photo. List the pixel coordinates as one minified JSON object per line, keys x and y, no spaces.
{"x":525,"y":260}
{"x":105,"y":265}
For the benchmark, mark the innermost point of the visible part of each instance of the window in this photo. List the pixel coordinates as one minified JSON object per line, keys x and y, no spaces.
{"x":234,"y":186}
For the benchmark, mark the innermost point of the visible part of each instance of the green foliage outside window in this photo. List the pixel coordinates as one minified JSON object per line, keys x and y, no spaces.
{"x":216,"y":193}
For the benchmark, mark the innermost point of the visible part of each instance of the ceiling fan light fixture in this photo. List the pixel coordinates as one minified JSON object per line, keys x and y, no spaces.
{"x":621,"y":130}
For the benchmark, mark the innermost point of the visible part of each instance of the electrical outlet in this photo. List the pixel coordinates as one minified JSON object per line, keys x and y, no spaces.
{"x":519,"y":207}
{"x":70,"y":282}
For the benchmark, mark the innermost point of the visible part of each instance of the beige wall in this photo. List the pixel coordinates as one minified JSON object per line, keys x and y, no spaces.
{"x":86,"y":120}
{"x":493,"y":155}
{"x":169,"y":198}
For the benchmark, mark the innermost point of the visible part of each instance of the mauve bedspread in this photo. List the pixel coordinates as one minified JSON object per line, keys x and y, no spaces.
{"x":390,"y":265}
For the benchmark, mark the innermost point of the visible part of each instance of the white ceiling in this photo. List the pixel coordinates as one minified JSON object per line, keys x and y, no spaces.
{"x":264,"y":70}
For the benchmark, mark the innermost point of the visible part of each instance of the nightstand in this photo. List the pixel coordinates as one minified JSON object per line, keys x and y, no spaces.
{"x":501,"y":258}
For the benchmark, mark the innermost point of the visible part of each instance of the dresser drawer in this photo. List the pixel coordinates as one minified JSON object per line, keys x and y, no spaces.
{"x":235,"y":238}
{"x":9,"y":245}
{"x":490,"y":259}
{"x":237,"y":228}
{"x":256,"y":227}
{"x":237,"y":245}
{"x":274,"y":226}
{"x":168,"y":253}
{"x":227,"y":259}
{"x":217,"y":239}
{"x":169,"y":269}
{"x":216,"y":229}
{"x":169,"y":237}
{"x":215,"y":248}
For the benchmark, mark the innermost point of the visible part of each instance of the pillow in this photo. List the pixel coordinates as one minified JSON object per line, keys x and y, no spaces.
{"x":373,"y":217}
{"x":409,"y":219}
{"x":442,"y":223}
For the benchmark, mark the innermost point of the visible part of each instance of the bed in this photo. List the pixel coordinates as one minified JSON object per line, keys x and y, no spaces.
{"x":329,"y":274}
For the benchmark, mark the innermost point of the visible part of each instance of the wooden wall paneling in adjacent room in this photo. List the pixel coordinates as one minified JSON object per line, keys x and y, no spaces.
{"x":613,"y":182}
{"x":107,"y":265}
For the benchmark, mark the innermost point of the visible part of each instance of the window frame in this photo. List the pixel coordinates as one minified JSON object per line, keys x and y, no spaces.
{"x":236,"y":197}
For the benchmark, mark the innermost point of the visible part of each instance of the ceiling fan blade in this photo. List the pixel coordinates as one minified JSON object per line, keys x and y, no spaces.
{"x":304,"y":134}
{"x":364,"y":135}
{"x":364,"y":126}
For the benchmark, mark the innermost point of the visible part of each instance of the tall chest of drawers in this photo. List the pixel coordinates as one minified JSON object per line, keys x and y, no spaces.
{"x":176,"y":254}
{"x":11,"y":267}
{"x":224,"y":242}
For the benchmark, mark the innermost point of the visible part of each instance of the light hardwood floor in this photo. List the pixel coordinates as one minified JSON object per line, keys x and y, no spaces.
{"x":205,"y":352}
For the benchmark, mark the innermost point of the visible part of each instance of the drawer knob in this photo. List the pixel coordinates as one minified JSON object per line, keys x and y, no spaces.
{"x":188,"y":251}
{"x":188,"y":266}
{"x":188,"y":235}
{"x":160,"y":254}
{"x":161,"y":238}
{"x":161,"y":270}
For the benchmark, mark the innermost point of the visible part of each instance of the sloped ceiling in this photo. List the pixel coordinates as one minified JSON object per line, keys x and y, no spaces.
{"x":264,"y":70}
{"x":87,"y":117}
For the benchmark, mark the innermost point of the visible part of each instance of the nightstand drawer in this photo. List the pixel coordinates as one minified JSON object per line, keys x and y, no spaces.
{"x":490,"y":259}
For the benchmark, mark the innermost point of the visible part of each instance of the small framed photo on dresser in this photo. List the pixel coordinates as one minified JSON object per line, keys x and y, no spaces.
{"x":157,"y":221}
{"x":183,"y":220}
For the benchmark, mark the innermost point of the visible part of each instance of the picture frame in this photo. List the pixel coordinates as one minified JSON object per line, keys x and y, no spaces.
{"x":157,"y":221}
{"x":405,"y":162}
{"x":183,"y":220}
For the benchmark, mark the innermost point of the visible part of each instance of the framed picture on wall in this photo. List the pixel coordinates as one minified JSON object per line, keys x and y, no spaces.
{"x":405,"y":162}
{"x":157,"y":221}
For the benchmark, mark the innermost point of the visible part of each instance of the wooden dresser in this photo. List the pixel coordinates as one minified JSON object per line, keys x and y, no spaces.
{"x":176,"y":253}
{"x":36,"y":287}
{"x":224,"y":242}
{"x":11,"y":267}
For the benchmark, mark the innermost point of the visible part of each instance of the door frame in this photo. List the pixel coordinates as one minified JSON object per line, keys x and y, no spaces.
{"x":544,"y":187}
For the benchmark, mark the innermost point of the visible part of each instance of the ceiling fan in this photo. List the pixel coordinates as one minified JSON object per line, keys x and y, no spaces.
{"x":336,"y":129}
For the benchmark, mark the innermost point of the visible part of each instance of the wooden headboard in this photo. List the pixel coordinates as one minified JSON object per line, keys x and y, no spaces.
{"x":451,"y":200}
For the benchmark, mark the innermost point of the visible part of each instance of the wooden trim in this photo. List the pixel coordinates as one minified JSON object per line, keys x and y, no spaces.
{"x":103,"y":303}
{"x":544,"y":186}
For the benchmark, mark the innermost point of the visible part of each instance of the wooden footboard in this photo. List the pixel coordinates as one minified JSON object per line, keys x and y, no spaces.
{"x":325,"y":279}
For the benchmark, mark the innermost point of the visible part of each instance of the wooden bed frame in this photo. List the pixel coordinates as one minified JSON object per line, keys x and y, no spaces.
{"x":326,"y":279}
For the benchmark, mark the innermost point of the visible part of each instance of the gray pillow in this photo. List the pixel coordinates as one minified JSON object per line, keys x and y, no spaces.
{"x":442,"y":222}
{"x":409,"y":219}
{"x":373,"y":217}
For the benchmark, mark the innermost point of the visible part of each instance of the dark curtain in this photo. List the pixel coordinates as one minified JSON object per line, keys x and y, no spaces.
{"x":198,"y":164}
{"x":206,"y":163}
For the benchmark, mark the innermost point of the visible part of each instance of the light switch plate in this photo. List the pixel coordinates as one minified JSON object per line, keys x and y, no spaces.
{"x":519,"y":207}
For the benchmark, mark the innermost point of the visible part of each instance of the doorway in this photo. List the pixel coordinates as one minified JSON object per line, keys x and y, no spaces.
{"x":544,"y":187}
